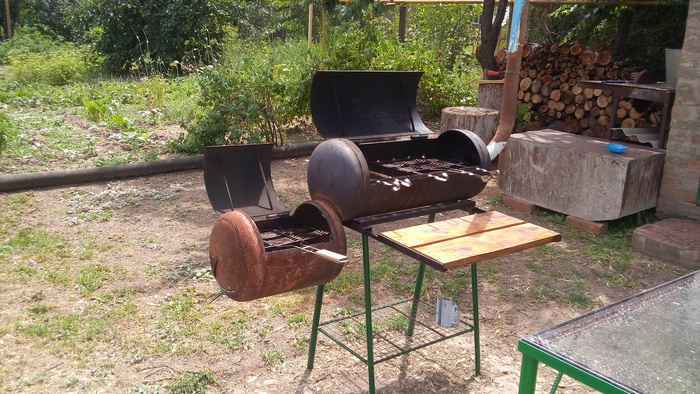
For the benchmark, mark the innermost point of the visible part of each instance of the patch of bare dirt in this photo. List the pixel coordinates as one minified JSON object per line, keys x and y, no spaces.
{"x":155,"y":235}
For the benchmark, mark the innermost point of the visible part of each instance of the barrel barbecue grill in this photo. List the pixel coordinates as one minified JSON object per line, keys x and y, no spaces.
{"x":257,"y":248}
{"x":377,"y":165}
{"x":364,"y":168}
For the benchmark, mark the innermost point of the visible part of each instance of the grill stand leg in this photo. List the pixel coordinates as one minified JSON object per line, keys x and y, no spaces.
{"x":417,"y":291}
{"x":368,"y":312}
{"x":475,"y":307}
{"x":314,"y":327}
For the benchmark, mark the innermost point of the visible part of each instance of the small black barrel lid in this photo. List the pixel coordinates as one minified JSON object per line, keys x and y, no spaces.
{"x":363,"y":105}
{"x":238,"y":177}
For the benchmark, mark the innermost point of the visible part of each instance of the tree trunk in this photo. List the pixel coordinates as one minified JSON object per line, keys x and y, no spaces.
{"x":490,"y":23}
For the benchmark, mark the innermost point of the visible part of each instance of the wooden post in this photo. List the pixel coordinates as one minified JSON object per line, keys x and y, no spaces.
{"x":309,"y":30}
{"x":7,"y":19}
{"x":402,"y":23}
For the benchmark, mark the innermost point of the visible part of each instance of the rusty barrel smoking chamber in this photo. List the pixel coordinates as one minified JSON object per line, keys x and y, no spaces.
{"x":257,"y":248}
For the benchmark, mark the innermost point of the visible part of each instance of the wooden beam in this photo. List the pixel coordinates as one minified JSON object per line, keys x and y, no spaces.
{"x":538,"y":2}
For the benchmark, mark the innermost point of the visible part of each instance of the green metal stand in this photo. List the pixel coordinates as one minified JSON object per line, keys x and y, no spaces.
{"x":420,"y":330}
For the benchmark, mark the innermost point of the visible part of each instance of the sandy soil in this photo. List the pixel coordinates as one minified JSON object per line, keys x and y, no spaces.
{"x":160,"y":224}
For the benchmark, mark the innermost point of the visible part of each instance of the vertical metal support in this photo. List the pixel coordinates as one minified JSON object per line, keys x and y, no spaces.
{"x":417,"y":291}
{"x":555,"y":385}
{"x":314,"y":326}
{"x":368,"y":312}
{"x":416,"y":298}
{"x":528,"y":375}
{"x":475,"y":308}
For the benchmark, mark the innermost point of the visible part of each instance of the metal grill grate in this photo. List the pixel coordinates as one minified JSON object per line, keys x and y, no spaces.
{"x":427,"y":165}
{"x":294,"y":236}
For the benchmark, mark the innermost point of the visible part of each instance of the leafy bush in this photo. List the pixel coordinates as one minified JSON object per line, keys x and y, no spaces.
{"x":26,"y":40}
{"x":36,"y":58}
{"x":374,"y":45}
{"x":251,"y":99}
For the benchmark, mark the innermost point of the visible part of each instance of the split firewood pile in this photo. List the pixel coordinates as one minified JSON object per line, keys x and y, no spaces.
{"x":549,"y":85}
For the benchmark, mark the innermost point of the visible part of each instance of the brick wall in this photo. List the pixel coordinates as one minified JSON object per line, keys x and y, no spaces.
{"x":679,"y":185}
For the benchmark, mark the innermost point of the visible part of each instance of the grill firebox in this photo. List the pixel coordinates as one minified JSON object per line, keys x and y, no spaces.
{"x":257,"y":248}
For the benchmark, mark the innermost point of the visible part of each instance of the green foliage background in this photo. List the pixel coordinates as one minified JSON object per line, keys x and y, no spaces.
{"x":249,"y":60}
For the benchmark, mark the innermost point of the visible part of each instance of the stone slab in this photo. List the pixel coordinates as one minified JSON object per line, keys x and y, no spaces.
{"x":579,"y":176}
{"x":675,"y":241}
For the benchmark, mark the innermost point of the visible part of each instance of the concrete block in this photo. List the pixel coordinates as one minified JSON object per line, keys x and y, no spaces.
{"x":518,"y":205}
{"x":579,"y":176}
{"x":596,"y":228}
{"x":674,"y":241}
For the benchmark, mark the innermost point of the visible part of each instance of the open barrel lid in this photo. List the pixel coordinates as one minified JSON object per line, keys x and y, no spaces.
{"x":364,"y":105}
{"x":238,"y":177}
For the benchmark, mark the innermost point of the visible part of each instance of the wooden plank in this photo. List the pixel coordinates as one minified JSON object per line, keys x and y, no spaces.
{"x":426,"y":234}
{"x":473,"y":248}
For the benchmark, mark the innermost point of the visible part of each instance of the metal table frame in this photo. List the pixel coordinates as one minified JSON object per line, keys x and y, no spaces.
{"x":364,"y":227}
{"x":534,"y":352}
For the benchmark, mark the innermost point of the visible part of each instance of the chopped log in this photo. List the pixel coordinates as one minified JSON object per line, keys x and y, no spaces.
{"x":576,"y":49}
{"x":627,"y":123}
{"x":588,"y":92}
{"x":576,"y":89}
{"x":527,"y":97}
{"x":641,"y":122}
{"x":490,"y":94}
{"x":567,"y":97}
{"x":603,"y":120}
{"x":602,"y":101}
{"x":621,"y":112}
{"x":604,"y":58}
{"x":585,"y":123}
{"x":536,"y":98}
{"x":546,"y":90}
{"x":572,"y":126}
{"x":536,"y":86}
{"x":579,"y":113}
{"x":482,"y":121}
{"x":555,"y":95}
{"x":599,"y":131}
{"x":525,"y":83}
{"x":597,"y":92}
{"x":526,"y":50}
{"x":587,"y":57}
{"x":655,"y":118}
{"x":634,"y":114}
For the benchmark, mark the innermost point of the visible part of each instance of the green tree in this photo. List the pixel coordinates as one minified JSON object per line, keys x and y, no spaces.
{"x":161,"y":31}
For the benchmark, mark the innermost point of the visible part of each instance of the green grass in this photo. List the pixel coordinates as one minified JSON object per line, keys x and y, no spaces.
{"x":190,"y":382}
{"x":273,"y":357}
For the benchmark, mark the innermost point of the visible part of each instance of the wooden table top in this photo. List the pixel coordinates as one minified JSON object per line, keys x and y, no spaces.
{"x":454,"y":243}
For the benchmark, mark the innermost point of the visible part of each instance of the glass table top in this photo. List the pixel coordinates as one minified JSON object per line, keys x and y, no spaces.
{"x":648,"y":343}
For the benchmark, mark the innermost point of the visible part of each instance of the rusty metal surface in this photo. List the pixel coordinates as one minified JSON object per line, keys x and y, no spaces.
{"x":245,"y":271}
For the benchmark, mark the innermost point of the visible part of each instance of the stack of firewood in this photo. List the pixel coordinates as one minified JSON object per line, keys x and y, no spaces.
{"x":549,"y":78}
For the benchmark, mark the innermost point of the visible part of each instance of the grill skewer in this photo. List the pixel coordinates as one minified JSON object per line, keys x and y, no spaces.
{"x":433,"y":168}
{"x":296,"y":237}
